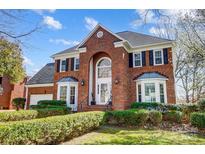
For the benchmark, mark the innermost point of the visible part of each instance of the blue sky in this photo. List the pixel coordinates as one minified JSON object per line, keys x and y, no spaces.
{"x":61,"y":29}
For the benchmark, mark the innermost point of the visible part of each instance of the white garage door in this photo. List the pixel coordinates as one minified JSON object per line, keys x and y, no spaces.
{"x":35,"y":98}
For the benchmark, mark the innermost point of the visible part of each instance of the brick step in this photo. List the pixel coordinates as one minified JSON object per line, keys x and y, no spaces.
{"x":95,"y":108}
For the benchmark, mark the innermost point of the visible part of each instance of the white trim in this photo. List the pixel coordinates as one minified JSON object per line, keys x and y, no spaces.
{"x":133,"y":59}
{"x":26,"y":98}
{"x":90,"y":80}
{"x":82,"y":50}
{"x":157,"y":90}
{"x":94,"y":30}
{"x":40,"y":85}
{"x":162,"y":54}
{"x":102,"y":80}
{"x":121,"y":44}
{"x":65,"y":55}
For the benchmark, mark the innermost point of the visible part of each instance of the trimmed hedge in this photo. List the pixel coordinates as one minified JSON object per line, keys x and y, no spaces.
{"x":18,"y":115}
{"x":156,"y":106}
{"x":173,"y":116}
{"x":51,"y":130}
{"x":127,"y":117}
{"x":52,"y":102}
{"x":31,"y":114}
{"x":198,"y":119}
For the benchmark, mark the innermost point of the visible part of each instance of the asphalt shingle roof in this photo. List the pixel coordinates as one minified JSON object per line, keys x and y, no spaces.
{"x":134,"y":38}
{"x":45,"y":75}
{"x":138,"y":39}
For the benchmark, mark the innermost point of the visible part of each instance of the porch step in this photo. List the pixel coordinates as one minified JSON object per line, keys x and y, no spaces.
{"x":95,"y":108}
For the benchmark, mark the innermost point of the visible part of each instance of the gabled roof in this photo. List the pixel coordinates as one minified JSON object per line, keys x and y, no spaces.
{"x":44,"y":76}
{"x":132,"y":38}
{"x":151,"y":75}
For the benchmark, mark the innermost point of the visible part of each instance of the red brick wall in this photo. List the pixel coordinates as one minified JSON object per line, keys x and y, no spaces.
{"x":10,"y":92}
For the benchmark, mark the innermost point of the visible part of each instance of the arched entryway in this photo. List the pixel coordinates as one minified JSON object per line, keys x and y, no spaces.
{"x":103,"y":80}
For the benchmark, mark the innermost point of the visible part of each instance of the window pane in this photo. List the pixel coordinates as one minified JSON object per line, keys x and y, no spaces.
{"x":139,"y":93}
{"x":150,"y":92}
{"x":77,"y":63}
{"x":63,"y":91}
{"x":158,"y":57}
{"x":72,"y":95}
{"x":63,"y":65}
{"x":137,"y":59}
{"x":104,"y":72}
{"x":161,"y":89}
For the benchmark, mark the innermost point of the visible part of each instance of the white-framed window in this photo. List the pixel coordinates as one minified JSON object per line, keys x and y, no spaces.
{"x":151,"y":90}
{"x":104,"y":68}
{"x":76,"y":64}
{"x":63,"y":65}
{"x":137,"y":59}
{"x":63,"y":93}
{"x":158,"y":57}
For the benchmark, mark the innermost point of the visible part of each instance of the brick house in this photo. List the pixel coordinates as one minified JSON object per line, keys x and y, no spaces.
{"x":10,"y":91}
{"x":108,"y":68}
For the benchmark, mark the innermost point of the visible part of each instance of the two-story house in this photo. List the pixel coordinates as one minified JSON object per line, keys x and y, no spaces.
{"x":106,"y":67}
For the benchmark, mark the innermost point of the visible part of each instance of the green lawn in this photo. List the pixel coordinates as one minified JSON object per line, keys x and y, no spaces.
{"x":116,"y":135}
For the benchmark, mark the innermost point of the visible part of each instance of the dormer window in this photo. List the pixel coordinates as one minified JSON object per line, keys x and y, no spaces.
{"x":63,"y":65}
{"x":158,"y":57}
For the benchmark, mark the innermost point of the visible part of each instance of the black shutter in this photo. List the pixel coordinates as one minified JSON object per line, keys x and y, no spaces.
{"x":67,"y":64}
{"x":143,"y":58}
{"x":151,"y":60}
{"x":130,"y":59}
{"x":58,"y":66}
{"x":72,"y":64}
{"x":165,"y":54}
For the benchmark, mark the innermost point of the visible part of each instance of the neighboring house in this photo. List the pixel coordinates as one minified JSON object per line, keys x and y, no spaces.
{"x":10,"y":91}
{"x":107,"y":67}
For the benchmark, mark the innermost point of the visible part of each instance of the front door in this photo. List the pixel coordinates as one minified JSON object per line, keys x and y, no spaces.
{"x":103,"y":92}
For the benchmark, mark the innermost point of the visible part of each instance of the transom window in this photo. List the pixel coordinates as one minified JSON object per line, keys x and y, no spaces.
{"x":137,"y":59}
{"x":77,"y":63}
{"x":63,"y":65}
{"x":104,"y":68}
{"x":158,"y":57}
{"x":63,"y":91}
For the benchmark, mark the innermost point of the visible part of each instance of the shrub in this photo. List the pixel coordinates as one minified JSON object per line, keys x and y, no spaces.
{"x":202,"y":104}
{"x":18,"y":115}
{"x":51,"y":130}
{"x":127,"y":117}
{"x":52,"y":102}
{"x":145,"y":105}
{"x":173,"y":116}
{"x":31,"y":114}
{"x":19,"y":103}
{"x":198,"y":119}
{"x":187,"y":110}
{"x":155,"y":117}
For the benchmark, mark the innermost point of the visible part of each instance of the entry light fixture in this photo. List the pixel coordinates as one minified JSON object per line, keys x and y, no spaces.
{"x":82,"y":82}
{"x":116,"y":81}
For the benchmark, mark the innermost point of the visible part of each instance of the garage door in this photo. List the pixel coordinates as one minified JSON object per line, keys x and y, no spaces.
{"x":35,"y":98}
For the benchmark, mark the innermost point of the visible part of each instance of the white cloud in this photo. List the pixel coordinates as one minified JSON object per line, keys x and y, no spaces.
{"x":52,"y":23}
{"x":42,"y":11}
{"x":27,"y":61}
{"x":63,"y":41}
{"x":90,"y":23}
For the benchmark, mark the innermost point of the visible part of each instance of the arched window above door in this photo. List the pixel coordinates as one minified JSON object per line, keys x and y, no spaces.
{"x":104,"y":68}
